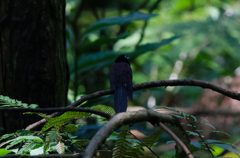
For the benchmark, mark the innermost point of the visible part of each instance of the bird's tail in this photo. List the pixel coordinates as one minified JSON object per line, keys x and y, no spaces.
{"x":120,"y":100}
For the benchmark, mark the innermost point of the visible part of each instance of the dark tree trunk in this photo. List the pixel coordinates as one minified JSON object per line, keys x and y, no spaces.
{"x":33,"y":66}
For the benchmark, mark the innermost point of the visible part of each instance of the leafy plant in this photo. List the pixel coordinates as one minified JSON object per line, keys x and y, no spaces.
{"x":193,"y":123}
{"x":5,"y":101}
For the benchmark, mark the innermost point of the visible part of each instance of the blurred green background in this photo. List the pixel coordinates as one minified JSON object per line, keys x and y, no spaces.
{"x":165,"y":39}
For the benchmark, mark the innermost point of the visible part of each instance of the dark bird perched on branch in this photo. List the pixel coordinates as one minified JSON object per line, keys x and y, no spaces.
{"x":121,"y":82}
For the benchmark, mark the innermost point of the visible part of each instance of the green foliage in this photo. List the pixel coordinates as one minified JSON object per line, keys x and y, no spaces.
{"x":104,"y":58}
{"x":59,"y":121}
{"x":153,"y":138}
{"x":208,"y":50}
{"x":226,"y":146}
{"x":60,"y":148}
{"x":119,"y":20}
{"x":104,"y":108}
{"x":4,"y":152}
{"x":70,"y":128}
{"x":5,"y":101}
{"x":197,"y":146}
{"x":28,"y":146}
{"x":80,"y":143}
{"x":6,"y":136}
{"x":123,"y":147}
{"x":21,"y":142}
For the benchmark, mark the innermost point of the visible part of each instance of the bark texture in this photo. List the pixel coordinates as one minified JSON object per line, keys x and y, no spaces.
{"x":33,"y":66}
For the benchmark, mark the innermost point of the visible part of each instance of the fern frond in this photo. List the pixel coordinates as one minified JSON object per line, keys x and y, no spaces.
{"x":65,"y":118}
{"x":80,"y":143}
{"x":46,"y":146}
{"x":121,"y":144}
{"x":70,"y":128}
{"x":6,"y":101}
{"x":20,"y":139}
{"x":39,"y":114}
{"x":104,"y":108}
{"x":213,"y":131}
{"x":12,"y":143}
{"x":153,"y":138}
{"x":185,"y":115}
{"x":6,"y":136}
{"x":123,"y":147}
{"x":60,"y":148}
{"x":27,"y":147}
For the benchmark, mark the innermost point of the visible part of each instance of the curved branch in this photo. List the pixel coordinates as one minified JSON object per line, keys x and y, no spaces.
{"x":146,"y":22}
{"x":188,"y":153}
{"x":162,"y":83}
{"x":62,"y":109}
{"x":127,"y":118}
{"x":186,"y":82}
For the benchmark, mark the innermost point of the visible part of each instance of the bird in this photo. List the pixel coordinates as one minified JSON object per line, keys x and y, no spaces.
{"x":121,"y":83}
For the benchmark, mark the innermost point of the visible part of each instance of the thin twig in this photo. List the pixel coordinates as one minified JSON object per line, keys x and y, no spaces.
{"x":176,"y":139}
{"x":146,"y":22}
{"x":144,"y":144}
{"x":195,"y":130}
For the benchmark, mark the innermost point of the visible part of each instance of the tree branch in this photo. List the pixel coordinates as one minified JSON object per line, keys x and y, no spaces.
{"x":188,"y":153}
{"x":146,"y":22}
{"x":162,"y":83}
{"x":149,"y":148}
{"x":127,"y":118}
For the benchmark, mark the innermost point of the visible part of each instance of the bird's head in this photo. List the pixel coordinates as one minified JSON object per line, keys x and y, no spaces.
{"x":122,"y":58}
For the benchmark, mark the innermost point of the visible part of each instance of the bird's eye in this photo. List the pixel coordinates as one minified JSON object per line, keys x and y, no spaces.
{"x":126,"y":57}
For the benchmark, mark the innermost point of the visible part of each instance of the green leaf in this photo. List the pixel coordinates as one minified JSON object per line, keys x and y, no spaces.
{"x":6,"y":136}
{"x":20,"y":139}
{"x":80,"y":143}
{"x":70,"y":128}
{"x":27,"y":147}
{"x":171,"y":141}
{"x":5,"y":101}
{"x":53,"y":135}
{"x":37,"y":151}
{"x":33,"y":106}
{"x":212,"y":141}
{"x":228,"y":147}
{"x":65,"y":118}
{"x":196,"y":144}
{"x":4,"y":152}
{"x":119,"y":20}
{"x":104,"y":58}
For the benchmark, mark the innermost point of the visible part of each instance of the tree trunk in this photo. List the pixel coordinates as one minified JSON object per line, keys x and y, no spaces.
{"x":33,"y":65}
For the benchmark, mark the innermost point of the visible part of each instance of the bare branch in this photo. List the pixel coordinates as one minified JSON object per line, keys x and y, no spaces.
{"x":188,"y":153}
{"x":162,"y":83}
